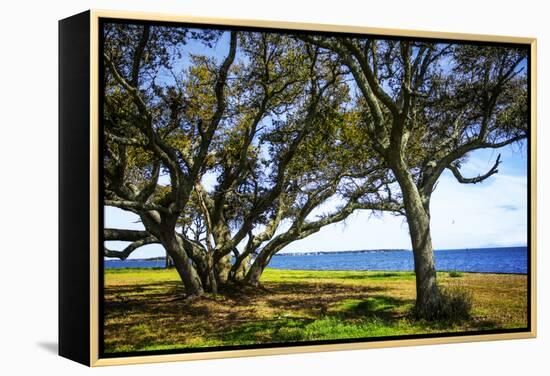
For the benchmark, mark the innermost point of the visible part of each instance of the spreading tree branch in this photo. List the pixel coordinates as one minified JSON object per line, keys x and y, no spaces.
{"x":478,"y":179}
{"x":138,"y":54}
{"x":135,"y":205}
{"x":124,"y":235}
{"x":123,"y":255}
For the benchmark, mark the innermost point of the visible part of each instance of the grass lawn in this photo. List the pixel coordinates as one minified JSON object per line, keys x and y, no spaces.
{"x":144,"y":309}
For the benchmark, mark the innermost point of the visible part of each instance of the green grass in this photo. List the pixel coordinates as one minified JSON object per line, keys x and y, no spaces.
{"x":455,"y":274}
{"x":144,"y":309}
{"x":279,"y":275}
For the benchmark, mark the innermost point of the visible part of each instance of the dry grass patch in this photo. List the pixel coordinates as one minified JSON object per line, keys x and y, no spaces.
{"x":145,"y":309}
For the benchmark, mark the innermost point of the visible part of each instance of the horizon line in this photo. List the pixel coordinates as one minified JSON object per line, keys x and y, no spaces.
{"x":343,"y":251}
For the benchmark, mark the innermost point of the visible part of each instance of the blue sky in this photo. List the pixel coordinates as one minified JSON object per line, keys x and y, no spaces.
{"x":490,"y":214}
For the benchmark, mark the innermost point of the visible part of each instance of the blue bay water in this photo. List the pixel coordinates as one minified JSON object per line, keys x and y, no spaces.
{"x":486,"y":260}
{"x":134,"y":263}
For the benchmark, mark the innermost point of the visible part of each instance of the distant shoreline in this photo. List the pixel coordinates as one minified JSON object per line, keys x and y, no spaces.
{"x":314,"y":253}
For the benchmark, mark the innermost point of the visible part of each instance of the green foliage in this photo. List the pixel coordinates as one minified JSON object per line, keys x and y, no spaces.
{"x":455,"y":274}
{"x":256,"y":130}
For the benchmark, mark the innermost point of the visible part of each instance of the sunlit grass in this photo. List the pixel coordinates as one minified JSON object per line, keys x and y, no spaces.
{"x":144,"y":309}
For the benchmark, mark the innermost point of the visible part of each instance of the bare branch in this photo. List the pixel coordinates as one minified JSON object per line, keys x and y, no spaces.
{"x":149,"y":188}
{"x":496,"y":145}
{"x":478,"y":179}
{"x":124,"y":235}
{"x":371,"y":79}
{"x":123,"y":255}
{"x":138,"y":53}
{"x":135,"y":205}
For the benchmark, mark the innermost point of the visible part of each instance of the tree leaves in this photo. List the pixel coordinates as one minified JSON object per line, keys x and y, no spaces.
{"x":304,"y":118}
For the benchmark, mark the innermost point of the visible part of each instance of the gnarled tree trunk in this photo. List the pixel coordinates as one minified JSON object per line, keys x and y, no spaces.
{"x":186,"y":270}
{"x":211,"y":280}
{"x":206,"y":273}
{"x":260,"y":263}
{"x":417,"y":211}
{"x":240,"y":268}
{"x":169,"y":263}
{"x":256,"y":270}
{"x":223,"y":268}
{"x":428,"y":298}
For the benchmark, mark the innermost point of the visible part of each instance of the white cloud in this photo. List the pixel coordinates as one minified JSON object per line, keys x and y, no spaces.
{"x":493,"y":213}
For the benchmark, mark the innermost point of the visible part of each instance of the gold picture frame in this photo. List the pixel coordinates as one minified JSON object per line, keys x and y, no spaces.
{"x":71,"y":282}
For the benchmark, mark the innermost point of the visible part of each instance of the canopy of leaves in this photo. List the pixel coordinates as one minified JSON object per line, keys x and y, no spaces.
{"x":228,"y":134}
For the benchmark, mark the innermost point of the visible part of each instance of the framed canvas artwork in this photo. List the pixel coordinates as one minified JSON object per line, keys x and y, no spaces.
{"x":237,"y":188}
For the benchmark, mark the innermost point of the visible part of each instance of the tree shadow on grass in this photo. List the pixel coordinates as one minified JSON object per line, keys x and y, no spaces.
{"x":371,"y":317}
{"x":156,"y":301}
{"x":265,"y":331}
{"x":352,"y":318}
{"x":381,"y":307}
{"x":315,"y":298}
{"x":155,"y":314}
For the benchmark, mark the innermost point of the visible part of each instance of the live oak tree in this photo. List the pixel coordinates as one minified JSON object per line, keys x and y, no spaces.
{"x":248,"y":122}
{"x":143,"y":119}
{"x":273,"y":95}
{"x":277,"y":175}
{"x":427,"y":106}
{"x":324,"y":167}
{"x":332,"y":166}
{"x":241,"y":147}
